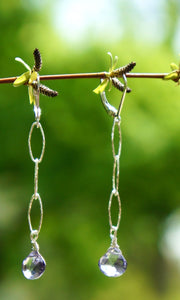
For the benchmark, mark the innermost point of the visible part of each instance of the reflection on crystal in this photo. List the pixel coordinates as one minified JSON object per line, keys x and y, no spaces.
{"x":33,"y":265}
{"x":113,"y":263}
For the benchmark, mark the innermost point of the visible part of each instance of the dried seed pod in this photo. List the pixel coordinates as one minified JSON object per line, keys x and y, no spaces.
{"x":47,"y":91}
{"x":123,"y":70}
{"x":119,"y":85}
{"x":44,"y":90}
{"x":38,"y":60}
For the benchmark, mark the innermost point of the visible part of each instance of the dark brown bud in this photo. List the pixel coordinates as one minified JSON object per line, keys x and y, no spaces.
{"x":45,"y":90}
{"x":123,"y":70}
{"x":119,"y":85}
{"x":38,"y":60}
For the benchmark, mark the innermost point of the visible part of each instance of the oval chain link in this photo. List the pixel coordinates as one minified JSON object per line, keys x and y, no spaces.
{"x":35,"y":232}
{"x":38,"y":125}
{"x":112,"y":227}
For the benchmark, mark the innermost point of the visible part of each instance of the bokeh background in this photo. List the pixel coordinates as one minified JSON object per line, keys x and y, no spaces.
{"x":75,"y":175}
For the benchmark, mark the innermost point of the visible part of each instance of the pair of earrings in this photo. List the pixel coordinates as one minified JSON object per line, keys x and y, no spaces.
{"x":113,"y":263}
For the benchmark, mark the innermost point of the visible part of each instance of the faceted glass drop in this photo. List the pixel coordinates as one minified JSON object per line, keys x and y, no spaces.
{"x":33,"y":265}
{"x":113,"y":263}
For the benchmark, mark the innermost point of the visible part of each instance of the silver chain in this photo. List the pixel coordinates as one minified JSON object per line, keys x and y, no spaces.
{"x":115,"y":175}
{"x":34,"y":233}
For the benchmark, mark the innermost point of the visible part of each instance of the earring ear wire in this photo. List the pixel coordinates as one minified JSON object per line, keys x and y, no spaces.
{"x":123,"y":96}
{"x":110,"y":109}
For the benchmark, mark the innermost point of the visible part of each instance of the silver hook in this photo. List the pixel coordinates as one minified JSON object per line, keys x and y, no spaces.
{"x":110,"y":109}
{"x":123,"y":96}
{"x":125,"y":81}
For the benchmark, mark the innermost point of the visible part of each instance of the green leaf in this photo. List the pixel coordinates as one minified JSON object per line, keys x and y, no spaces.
{"x":32,"y":98}
{"x":22,"y":79}
{"x":33,"y":77}
{"x":101,"y":87}
{"x":171,"y":76}
{"x":174,"y":67}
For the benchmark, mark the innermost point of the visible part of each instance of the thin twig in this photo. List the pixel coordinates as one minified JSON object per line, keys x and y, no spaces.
{"x":146,"y":75}
{"x":88,"y":75}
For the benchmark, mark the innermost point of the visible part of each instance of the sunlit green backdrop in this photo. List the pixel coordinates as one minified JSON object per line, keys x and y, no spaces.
{"x":75,"y":174}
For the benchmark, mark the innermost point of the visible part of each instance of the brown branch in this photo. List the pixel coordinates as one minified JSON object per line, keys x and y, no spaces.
{"x":146,"y":75}
{"x":88,"y":75}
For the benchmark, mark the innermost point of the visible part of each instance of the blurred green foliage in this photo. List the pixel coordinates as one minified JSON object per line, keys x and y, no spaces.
{"x":75,"y":175}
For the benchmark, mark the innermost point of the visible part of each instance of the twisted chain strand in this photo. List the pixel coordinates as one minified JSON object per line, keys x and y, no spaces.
{"x":34,"y":233}
{"x":36,"y":173}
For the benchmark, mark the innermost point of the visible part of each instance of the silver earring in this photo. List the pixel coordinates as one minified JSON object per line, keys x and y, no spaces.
{"x":34,"y":264}
{"x":113,"y":263}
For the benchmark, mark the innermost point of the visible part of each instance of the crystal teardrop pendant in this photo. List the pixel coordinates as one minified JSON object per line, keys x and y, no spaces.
{"x":113,"y":263}
{"x":33,"y":265}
